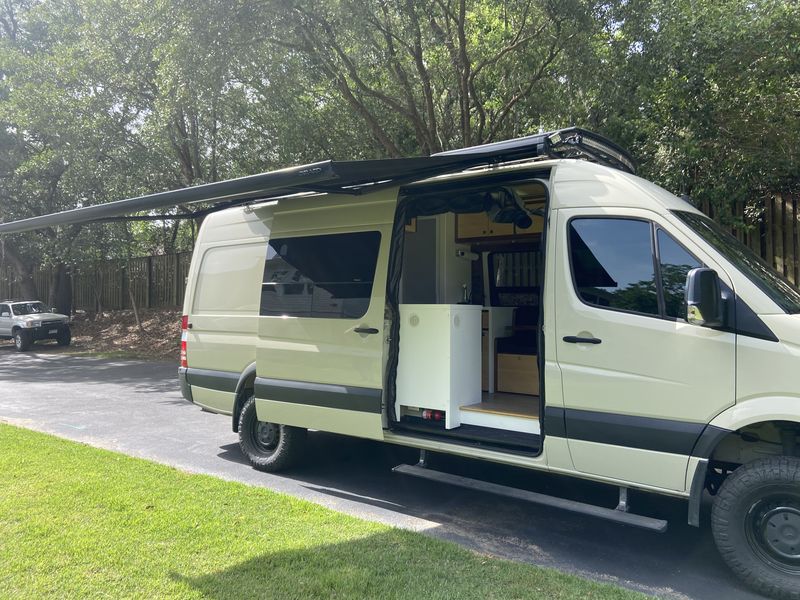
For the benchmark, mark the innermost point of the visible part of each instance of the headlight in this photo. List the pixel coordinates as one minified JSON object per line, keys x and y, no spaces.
{"x":31,"y":323}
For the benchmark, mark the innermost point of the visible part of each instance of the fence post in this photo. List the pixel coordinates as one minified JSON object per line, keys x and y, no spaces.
{"x":149,"y":281}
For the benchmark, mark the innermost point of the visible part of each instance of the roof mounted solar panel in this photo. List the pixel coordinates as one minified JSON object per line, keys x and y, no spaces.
{"x":345,"y":177}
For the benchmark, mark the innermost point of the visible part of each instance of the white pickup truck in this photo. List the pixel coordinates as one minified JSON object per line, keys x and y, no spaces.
{"x":28,"y":321}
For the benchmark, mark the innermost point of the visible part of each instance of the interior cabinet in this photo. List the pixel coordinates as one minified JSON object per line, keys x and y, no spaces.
{"x":495,"y":323}
{"x":472,"y":226}
{"x":478,"y":226}
{"x":439,"y":363}
{"x":518,"y":374}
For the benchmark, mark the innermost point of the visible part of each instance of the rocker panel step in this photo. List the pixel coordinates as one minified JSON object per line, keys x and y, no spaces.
{"x":610,"y":514}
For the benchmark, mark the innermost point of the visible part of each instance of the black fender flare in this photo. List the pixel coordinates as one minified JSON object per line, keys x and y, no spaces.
{"x":249,"y":374}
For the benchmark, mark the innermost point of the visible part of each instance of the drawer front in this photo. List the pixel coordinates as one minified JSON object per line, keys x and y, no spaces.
{"x":517,"y":374}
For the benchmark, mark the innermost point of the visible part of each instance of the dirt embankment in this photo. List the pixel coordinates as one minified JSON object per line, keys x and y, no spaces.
{"x":115,"y":333}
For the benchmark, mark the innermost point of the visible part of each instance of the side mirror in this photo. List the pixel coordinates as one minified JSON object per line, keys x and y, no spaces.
{"x":703,"y":298}
{"x":5,"y":314}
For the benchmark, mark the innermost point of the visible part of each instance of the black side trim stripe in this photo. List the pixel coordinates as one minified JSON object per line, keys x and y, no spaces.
{"x":343,"y":397}
{"x":661,"y":435}
{"x":554,"y":421}
{"x":222,"y":381}
{"x":646,"y":433}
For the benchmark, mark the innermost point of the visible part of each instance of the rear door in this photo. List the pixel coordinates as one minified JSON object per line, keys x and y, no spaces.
{"x":320,"y":355}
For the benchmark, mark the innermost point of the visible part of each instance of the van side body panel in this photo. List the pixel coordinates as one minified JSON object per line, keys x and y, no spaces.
{"x":222,"y":304}
{"x":767,"y":383}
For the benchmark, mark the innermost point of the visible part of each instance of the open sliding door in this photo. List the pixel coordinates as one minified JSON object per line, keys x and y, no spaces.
{"x":320,"y":354}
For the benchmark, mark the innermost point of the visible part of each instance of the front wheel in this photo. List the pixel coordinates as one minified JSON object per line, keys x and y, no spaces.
{"x":268,"y":446}
{"x":22,"y":340}
{"x":756,"y":525}
{"x":64,"y":337}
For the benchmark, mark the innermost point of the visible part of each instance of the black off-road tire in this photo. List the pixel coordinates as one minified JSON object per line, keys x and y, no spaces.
{"x":64,"y":338}
{"x":268,"y":446}
{"x":755,"y":520}
{"x":22,"y":340}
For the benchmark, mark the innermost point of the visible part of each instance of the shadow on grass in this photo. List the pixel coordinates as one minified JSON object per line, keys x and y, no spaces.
{"x":679,"y":563}
{"x":390,"y":564}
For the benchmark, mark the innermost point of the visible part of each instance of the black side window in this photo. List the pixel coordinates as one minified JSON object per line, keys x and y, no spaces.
{"x":612,"y":262}
{"x":326,"y":276}
{"x":675,"y":263}
{"x":4,"y":308}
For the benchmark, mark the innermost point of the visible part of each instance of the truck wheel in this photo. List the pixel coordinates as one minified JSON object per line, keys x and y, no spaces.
{"x":22,"y":340}
{"x":756,"y":525}
{"x":268,"y":446}
{"x":64,"y":338}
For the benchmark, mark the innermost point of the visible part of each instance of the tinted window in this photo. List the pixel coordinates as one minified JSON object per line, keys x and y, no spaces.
{"x":612,"y":262}
{"x":675,"y":265}
{"x":328,"y":276}
{"x":4,"y":308}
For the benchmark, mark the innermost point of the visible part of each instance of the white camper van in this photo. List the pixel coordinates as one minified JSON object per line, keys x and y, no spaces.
{"x":530,"y":302}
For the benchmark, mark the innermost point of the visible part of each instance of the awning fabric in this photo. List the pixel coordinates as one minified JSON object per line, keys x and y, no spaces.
{"x":345,"y":177}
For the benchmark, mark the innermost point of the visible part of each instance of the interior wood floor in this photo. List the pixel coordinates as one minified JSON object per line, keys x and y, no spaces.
{"x":511,"y":405}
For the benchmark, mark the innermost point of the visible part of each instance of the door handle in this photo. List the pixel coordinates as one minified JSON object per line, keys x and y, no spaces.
{"x":573,"y":339}
{"x":366,"y":330}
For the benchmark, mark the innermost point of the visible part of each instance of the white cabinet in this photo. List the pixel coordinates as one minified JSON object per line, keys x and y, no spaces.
{"x":439,"y":366}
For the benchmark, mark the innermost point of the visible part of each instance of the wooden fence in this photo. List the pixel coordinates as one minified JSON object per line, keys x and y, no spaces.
{"x":770,"y":229}
{"x":153,"y":281}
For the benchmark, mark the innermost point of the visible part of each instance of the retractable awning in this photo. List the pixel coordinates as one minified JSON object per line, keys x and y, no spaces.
{"x":345,"y":177}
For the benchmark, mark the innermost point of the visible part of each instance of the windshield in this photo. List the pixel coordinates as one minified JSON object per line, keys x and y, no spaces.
{"x":28,"y":308}
{"x":780,"y":291}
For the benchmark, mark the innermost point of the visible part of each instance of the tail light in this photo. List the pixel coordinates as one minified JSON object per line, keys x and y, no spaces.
{"x":184,"y":339}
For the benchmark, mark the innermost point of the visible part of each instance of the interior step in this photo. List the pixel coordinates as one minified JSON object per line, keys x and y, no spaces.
{"x":512,"y":412}
{"x":611,"y":514}
{"x":501,"y":421}
{"x":510,"y":405}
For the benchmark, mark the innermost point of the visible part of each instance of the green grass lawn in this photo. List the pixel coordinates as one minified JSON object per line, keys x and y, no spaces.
{"x":80,"y":522}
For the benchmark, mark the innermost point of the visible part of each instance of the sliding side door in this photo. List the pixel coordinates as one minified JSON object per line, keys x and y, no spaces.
{"x":320,"y":355}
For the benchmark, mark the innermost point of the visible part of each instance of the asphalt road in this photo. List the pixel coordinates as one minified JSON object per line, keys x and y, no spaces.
{"x":136,"y":408}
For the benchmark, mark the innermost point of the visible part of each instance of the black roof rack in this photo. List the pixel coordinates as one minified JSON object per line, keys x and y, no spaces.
{"x":344,"y":177}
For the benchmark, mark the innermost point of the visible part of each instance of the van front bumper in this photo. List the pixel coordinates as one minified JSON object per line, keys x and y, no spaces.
{"x":186,"y":389}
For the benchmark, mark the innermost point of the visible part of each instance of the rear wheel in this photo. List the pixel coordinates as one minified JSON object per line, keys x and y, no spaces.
{"x":268,"y":446}
{"x":22,"y":340}
{"x":756,"y":524}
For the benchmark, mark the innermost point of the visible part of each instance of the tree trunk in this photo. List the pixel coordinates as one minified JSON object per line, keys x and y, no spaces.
{"x":61,"y":292}
{"x":24,"y":275}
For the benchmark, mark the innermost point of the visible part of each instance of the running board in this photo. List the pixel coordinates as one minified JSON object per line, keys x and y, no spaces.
{"x":611,"y":514}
